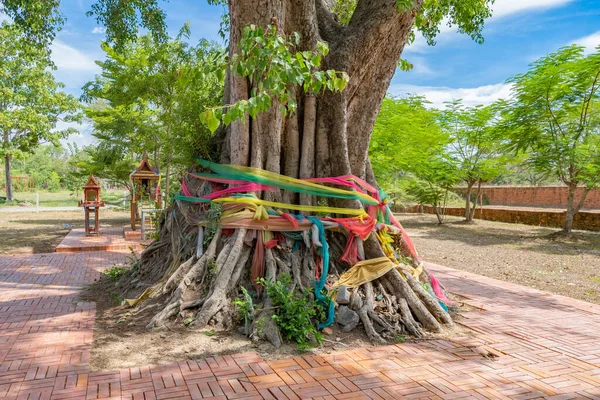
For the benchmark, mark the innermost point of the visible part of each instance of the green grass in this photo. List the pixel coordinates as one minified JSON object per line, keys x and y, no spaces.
{"x":64,"y":198}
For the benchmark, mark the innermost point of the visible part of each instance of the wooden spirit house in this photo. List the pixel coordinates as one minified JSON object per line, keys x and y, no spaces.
{"x":91,"y":204}
{"x":145,"y":182}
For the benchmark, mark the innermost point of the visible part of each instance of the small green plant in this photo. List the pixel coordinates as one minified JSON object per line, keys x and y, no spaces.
{"x":114,"y":273}
{"x":260,"y":325}
{"x":296,"y":314}
{"x":210,"y":333}
{"x":188,"y":321}
{"x":596,"y":279}
{"x":245,"y":307}
{"x":400,"y":339}
{"x":133,"y":260}
{"x":115,"y":297}
{"x":213,"y":268}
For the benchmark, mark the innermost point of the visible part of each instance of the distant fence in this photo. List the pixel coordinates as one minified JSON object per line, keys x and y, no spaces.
{"x":584,"y":220}
{"x":534,"y":196}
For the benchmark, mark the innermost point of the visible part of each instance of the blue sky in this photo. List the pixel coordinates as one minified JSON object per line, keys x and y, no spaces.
{"x":519,"y":32}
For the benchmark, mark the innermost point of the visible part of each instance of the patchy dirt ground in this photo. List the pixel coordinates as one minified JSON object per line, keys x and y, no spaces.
{"x":515,"y":253}
{"x":24,"y":233}
{"x":121,"y":339}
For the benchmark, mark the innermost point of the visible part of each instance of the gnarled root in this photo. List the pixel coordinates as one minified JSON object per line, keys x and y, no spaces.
{"x":364,"y":311}
{"x":222,"y":284}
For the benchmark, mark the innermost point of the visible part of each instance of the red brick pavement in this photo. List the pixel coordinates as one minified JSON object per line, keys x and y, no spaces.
{"x":110,"y":239}
{"x":545,"y":346}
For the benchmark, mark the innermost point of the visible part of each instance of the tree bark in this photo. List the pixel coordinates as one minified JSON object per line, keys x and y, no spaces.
{"x":572,"y":208}
{"x":9,"y":182}
{"x":570,"y":215}
{"x":474,"y":206}
{"x":468,"y":216}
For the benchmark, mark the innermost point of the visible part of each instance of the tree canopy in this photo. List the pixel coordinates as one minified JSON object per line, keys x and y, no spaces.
{"x":149,"y":97}
{"x":553,"y":114}
{"x":31,"y":102}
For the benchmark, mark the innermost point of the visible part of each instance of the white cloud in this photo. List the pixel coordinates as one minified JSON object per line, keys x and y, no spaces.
{"x":83,"y":137}
{"x":500,"y":9}
{"x":99,"y":30}
{"x":420,"y":66}
{"x":68,"y":58}
{"x":590,"y":42}
{"x":437,"y":95}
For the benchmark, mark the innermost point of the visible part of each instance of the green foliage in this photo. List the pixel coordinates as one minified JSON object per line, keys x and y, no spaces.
{"x":245,"y":307}
{"x":404,"y":65}
{"x":476,"y":143}
{"x":400,"y":339}
{"x":49,"y":168}
{"x":122,"y":18}
{"x":409,"y":151}
{"x":296,"y":315}
{"x":467,"y":15}
{"x":554,"y":115}
{"x":147,"y":99}
{"x":38,"y":20}
{"x":344,"y":10}
{"x":212,"y":267}
{"x":271,"y":64}
{"x":114,"y":273}
{"x":31,"y":103}
{"x":115,"y":297}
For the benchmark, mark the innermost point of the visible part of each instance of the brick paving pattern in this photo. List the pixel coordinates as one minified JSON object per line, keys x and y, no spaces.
{"x":527,"y":344}
{"x":109,"y":239}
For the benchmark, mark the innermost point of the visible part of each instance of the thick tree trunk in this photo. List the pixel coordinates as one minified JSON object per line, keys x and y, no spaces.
{"x":9,"y":181}
{"x":328,"y":136}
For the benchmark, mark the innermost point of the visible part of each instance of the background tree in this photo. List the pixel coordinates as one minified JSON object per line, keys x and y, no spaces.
{"x":475,"y":144}
{"x":554,"y":116}
{"x":409,"y":150}
{"x":149,"y":97}
{"x":31,"y":103}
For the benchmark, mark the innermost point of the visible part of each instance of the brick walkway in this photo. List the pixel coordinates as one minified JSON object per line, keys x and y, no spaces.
{"x":545,"y":346}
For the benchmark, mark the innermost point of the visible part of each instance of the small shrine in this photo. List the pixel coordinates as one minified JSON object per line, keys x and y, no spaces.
{"x":91,"y":204}
{"x":145,"y":184}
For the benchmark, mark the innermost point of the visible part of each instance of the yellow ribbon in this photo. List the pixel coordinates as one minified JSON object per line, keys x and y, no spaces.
{"x":365,"y":271}
{"x":297,"y":207}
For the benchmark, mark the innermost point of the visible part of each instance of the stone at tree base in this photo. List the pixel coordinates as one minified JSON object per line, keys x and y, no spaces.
{"x":347,"y":318}
{"x":355,"y":301}
{"x":343,"y":295}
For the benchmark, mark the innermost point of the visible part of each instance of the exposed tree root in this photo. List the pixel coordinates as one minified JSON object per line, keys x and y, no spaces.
{"x":204,"y":288}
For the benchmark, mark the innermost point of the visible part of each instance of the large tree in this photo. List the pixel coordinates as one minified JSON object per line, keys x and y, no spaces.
{"x":554,"y":116}
{"x":308,"y":127}
{"x":31,"y":103}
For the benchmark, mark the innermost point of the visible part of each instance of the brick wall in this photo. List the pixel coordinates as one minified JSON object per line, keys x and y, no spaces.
{"x":535,"y":196}
{"x":554,"y":219}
